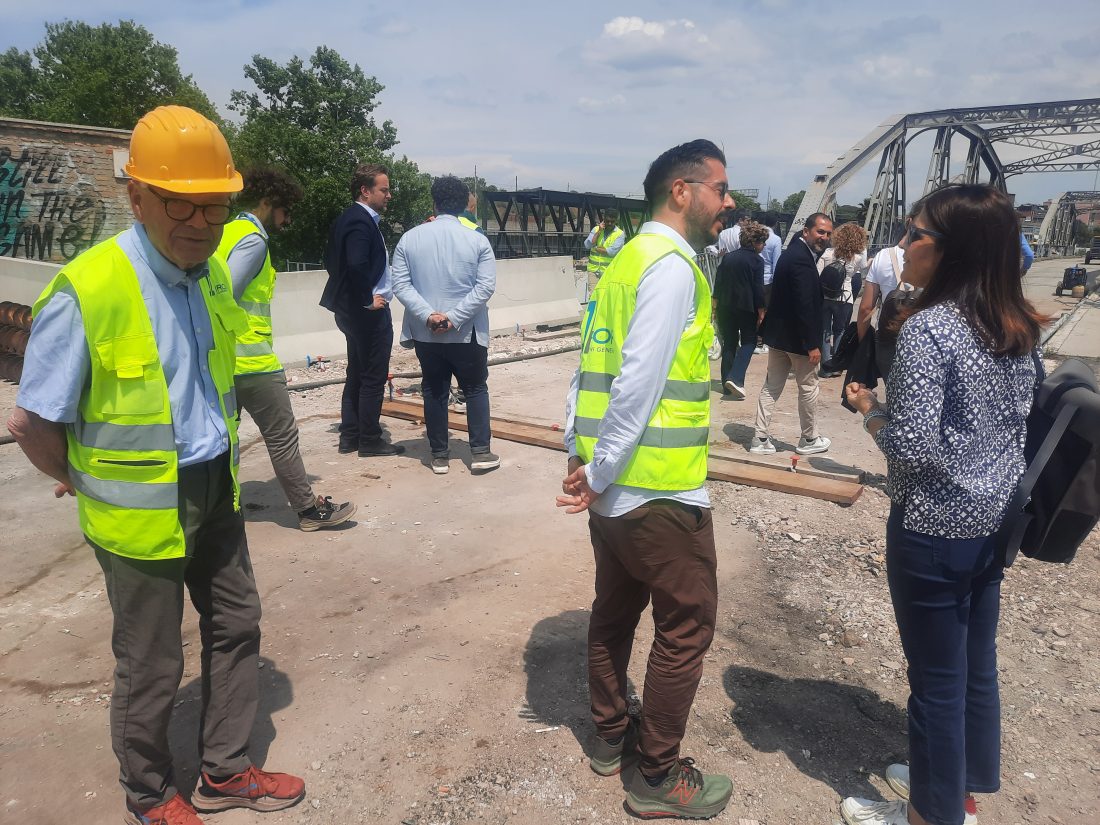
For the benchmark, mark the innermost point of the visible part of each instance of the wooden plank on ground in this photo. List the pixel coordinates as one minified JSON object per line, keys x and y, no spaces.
{"x":721,"y":468}
{"x":780,"y":463}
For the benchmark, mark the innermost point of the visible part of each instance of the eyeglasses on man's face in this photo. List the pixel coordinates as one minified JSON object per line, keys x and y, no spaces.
{"x":181,"y":209}
{"x":722,"y":189}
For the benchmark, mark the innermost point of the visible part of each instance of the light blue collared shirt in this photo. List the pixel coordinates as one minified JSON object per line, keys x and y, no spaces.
{"x":773,"y":248}
{"x":384,"y":287}
{"x":57,"y":365}
{"x":441,"y":266}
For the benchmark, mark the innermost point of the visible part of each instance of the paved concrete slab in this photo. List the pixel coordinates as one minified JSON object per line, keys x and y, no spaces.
{"x":1042,"y":279}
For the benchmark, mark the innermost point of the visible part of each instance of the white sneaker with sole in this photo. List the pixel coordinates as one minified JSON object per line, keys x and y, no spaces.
{"x":818,"y":445}
{"x":897,"y":777}
{"x":440,"y":465}
{"x":761,"y":446}
{"x":857,"y":811}
{"x":483,"y":462}
{"x":737,"y":392}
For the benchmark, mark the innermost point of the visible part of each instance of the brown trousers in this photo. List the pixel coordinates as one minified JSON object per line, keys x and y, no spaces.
{"x":147,"y":600}
{"x":662,"y":551}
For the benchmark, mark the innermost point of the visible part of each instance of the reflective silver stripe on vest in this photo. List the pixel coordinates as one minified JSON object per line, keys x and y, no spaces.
{"x":665,"y":437}
{"x":229,"y":401}
{"x":257,"y":309}
{"x":102,"y":435}
{"x":133,"y":495}
{"x":251,"y":350}
{"x":674,"y":390}
{"x":235,"y":454}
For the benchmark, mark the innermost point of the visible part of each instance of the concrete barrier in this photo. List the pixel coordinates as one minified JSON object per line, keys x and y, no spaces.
{"x":529,"y":291}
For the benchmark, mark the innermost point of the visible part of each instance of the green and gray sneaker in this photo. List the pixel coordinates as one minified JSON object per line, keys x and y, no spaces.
{"x":686,"y":793}
{"x":607,"y":759}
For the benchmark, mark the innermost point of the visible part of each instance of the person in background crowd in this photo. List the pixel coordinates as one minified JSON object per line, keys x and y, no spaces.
{"x":127,"y":401}
{"x":637,"y":425}
{"x":792,"y":331}
{"x":739,"y":306}
{"x":730,"y":239}
{"x":882,"y":279}
{"x":1027,"y":256}
{"x":444,"y":275}
{"x":773,"y":248}
{"x":850,"y":247}
{"x":268,"y":197}
{"x":358,"y":293}
{"x":603,"y":244}
{"x":953,"y":432}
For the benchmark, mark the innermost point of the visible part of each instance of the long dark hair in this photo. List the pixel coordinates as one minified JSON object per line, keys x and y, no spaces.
{"x":980,"y":268}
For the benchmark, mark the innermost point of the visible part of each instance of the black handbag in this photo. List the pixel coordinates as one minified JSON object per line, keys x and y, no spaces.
{"x":844,"y":351}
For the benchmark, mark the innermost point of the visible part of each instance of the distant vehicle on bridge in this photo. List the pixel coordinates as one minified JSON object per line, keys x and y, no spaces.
{"x":1094,"y":250}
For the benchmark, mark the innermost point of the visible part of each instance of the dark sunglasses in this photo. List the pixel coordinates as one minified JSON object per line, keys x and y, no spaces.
{"x":914,"y":232}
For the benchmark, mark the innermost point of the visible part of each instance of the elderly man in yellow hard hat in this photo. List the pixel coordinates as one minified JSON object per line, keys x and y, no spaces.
{"x":127,"y":401}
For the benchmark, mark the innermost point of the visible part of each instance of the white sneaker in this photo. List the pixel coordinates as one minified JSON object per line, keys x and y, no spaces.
{"x":737,"y":392}
{"x":761,"y":446}
{"x":818,"y":445}
{"x":858,"y":811}
{"x":897,"y":777}
{"x":761,"y":350}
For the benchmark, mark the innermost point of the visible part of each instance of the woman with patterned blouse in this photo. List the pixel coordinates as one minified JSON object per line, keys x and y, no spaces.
{"x":952,"y":431}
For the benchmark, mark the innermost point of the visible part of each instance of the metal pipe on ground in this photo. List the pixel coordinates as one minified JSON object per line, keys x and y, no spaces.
{"x":493,"y":362}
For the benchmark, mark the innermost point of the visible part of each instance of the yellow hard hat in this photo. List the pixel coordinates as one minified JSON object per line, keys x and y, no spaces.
{"x":176,"y":148}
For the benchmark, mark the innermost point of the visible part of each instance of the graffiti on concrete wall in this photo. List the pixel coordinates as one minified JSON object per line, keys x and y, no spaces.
{"x":49,"y":211}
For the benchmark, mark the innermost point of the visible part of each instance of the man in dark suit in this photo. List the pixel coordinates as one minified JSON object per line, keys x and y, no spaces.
{"x":358,"y":292}
{"x":792,"y":330}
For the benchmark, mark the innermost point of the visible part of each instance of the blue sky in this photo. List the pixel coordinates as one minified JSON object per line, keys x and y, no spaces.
{"x":586,"y":94}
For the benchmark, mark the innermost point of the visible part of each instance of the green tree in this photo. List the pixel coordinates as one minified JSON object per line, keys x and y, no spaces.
{"x":18,"y":82}
{"x":746,"y":202}
{"x":107,"y":75}
{"x":316,"y":120}
{"x":792,"y":202}
{"x":775,"y":205}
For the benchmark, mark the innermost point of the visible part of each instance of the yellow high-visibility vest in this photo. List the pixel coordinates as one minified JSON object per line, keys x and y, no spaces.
{"x":254,"y":348}
{"x":598,"y":262}
{"x":672,"y":453}
{"x":122,"y":449}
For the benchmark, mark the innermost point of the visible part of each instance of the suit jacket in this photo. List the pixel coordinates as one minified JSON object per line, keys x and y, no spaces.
{"x":355,"y":260}
{"x":739,"y":282}
{"x":794,"y":322}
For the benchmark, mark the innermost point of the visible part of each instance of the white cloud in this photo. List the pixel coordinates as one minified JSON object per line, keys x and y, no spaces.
{"x":594,"y":105}
{"x":634,"y":43}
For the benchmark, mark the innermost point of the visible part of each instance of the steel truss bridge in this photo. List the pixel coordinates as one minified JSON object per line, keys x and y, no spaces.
{"x":537,"y":222}
{"x":1059,"y":136}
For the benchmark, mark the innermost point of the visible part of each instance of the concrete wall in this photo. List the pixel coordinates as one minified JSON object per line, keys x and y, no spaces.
{"x":61,"y":188}
{"x":529,"y":291}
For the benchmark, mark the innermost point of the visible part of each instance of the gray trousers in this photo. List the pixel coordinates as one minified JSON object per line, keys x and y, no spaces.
{"x":265,"y":397}
{"x":147,"y":601}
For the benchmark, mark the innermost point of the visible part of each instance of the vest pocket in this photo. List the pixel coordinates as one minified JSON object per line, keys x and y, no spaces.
{"x":137,"y":388}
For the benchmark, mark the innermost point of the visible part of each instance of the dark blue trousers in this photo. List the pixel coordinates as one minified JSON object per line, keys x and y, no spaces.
{"x":946,"y":595}
{"x":468,"y":363}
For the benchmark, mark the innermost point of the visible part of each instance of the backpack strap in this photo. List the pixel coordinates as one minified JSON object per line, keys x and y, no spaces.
{"x":894,"y":261}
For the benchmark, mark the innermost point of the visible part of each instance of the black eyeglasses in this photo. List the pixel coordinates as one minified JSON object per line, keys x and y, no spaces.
{"x":180,"y":209}
{"x":913,"y":232}
{"x":722,"y":189}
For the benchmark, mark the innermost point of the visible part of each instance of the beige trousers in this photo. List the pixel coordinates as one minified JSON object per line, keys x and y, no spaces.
{"x":805,"y":375}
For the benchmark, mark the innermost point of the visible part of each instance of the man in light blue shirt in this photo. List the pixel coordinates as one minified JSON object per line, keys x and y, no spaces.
{"x":444,"y":275}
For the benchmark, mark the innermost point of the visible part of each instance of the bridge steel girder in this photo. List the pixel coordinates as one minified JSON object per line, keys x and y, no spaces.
{"x":1056,"y":230}
{"x":984,"y":127}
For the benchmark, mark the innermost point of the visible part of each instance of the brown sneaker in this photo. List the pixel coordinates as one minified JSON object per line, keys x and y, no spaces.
{"x":325,"y":514}
{"x":176,"y":811}
{"x":254,"y":789}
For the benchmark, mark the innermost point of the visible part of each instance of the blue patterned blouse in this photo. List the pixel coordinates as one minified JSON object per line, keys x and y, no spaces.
{"x":954,"y":446}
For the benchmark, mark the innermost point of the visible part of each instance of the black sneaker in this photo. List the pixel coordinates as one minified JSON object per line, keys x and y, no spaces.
{"x":378,"y":447}
{"x":483,"y":462}
{"x":325,"y":514}
{"x":440,"y":465}
{"x":347,"y":447}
